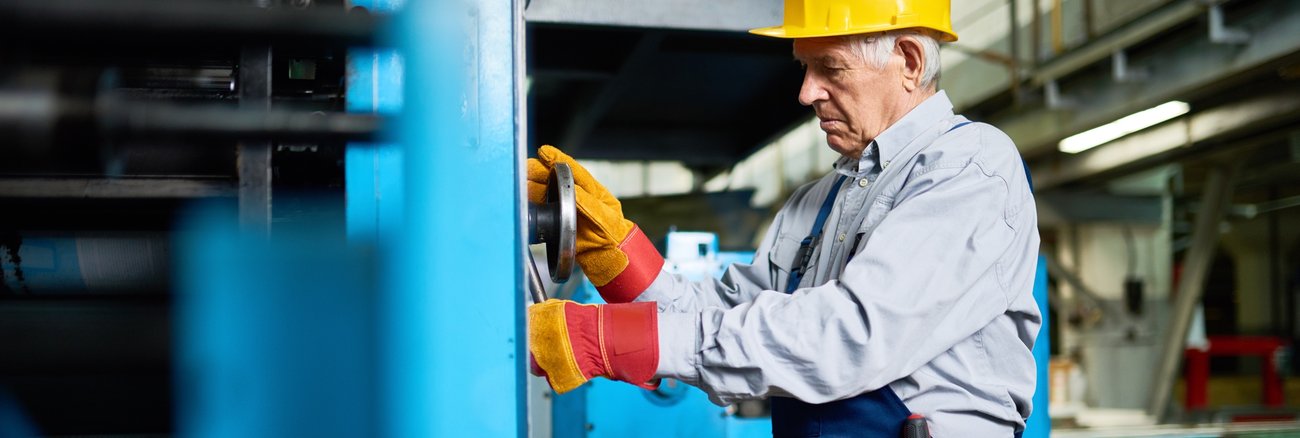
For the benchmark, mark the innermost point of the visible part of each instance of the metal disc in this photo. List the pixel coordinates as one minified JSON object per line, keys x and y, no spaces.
{"x":560,"y":254}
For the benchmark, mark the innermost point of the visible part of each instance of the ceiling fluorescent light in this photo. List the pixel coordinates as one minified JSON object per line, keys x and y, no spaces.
{"x":1129,"y":124}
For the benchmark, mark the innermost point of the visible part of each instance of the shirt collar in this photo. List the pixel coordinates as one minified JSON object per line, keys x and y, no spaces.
{"x":897,"y":136}
{"x":857,"y":168}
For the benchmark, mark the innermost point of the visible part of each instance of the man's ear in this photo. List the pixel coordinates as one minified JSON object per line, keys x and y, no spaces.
{"x":913,"y":61}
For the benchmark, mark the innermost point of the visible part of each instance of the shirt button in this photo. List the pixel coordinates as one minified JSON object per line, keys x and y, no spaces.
{"x":841,"y":237}
{"x":884,"y":165}
{"x":862,"y":182}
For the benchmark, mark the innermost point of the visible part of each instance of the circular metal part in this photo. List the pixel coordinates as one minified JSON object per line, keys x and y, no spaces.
{"x":560,"y":252}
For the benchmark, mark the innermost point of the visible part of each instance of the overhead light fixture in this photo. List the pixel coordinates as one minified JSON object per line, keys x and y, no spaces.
{"x":1127,"y":125}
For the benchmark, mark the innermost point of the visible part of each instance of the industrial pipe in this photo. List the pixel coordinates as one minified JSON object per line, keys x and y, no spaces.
{"x":96,"y":263}
{"x":33,"y":117}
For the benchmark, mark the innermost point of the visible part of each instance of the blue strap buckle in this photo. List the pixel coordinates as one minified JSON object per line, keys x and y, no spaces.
{"x":804,"y":255}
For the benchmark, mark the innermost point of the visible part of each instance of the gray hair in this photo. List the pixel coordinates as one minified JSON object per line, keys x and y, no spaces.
{"x":875,"y":49}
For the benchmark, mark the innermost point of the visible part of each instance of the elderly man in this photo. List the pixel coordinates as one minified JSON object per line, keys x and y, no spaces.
{"x":899,"y":283}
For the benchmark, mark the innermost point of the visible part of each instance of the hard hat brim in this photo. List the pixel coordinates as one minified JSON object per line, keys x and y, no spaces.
{"x":792,"y":32}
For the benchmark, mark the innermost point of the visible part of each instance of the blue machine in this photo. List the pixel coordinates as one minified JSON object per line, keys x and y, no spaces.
{"x":1040,"y":423}
{"x":604,"y":408}
{"x":405,"y":326}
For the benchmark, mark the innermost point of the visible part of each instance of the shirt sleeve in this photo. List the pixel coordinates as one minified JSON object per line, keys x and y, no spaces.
{"x":925,"y":279}
{"x":740,"y":283}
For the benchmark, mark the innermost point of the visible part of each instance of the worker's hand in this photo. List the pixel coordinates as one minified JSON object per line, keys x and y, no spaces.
{"x":616,"y":256}
{"x":572,"y":343}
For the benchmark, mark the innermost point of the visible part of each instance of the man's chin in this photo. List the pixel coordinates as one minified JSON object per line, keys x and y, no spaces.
{"x":837,"y":144}
{"x":845,"y":151}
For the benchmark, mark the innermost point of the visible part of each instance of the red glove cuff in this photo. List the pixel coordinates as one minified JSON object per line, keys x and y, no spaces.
{"x":630,"y":335}
{"x":618,"y":341}
{"x":643,"y":265}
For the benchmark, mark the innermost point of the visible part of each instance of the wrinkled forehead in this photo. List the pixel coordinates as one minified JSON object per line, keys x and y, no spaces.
{"x":807,"y":50}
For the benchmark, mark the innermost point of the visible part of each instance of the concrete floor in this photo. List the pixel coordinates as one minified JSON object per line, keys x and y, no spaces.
{"x":1228,"y":396}
{"x":1257,"y":430}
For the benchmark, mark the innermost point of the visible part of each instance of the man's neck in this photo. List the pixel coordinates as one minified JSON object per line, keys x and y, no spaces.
{"x":910,"y":102}
{"x":906,"y":105}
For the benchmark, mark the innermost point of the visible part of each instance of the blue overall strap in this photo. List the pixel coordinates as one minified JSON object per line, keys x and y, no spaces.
{"x":804,"y":255}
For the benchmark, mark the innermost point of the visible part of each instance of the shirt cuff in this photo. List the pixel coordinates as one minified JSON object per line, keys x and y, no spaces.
{"x":658,"y":290}
{"x":679,"y":347}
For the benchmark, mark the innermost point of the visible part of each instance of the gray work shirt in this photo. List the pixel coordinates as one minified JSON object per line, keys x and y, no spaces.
{"x":922,"y":281}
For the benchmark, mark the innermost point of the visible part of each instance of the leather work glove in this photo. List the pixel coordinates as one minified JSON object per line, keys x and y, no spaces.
{"x":571,"y":343}
{"x":616,"y":256}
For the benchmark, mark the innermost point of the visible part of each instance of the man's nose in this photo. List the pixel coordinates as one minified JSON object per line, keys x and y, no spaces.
{"x":811,"y":91}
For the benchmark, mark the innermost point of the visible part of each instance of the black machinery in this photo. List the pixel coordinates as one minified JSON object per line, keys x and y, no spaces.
{"x":114,"y":115}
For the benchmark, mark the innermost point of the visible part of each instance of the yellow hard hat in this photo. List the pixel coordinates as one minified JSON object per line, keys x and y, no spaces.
{"x":822,"y":18}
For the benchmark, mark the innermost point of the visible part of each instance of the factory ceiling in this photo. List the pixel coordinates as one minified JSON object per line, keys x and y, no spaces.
{"x":637,"y":80}
{"x":706,"y":98}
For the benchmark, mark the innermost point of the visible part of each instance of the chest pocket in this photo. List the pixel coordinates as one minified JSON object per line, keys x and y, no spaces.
{"x":876,"y":212}
{"x":781,"y":260}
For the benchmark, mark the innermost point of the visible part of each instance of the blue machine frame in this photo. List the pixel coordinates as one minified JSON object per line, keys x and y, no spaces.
{"x":452,"y":323}
{"x":413,"y":326}
{"x":1040,"y":421}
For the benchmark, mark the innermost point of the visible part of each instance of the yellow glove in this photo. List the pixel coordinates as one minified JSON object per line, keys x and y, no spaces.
{"x":571,"y":343}
{"x":616,"y":256}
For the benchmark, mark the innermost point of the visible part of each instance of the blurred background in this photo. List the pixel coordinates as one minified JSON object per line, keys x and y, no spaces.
{"x":304,"y":217}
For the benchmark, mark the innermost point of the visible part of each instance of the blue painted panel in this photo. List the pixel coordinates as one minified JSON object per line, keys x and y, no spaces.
{"x":749,"y":427}
{"x":1040,"y":423}
{"x":373,"y":171}
{"x":13,"y":421}
{"x":374,"y":190}
{"x":452,"y":313}
{"x":275,"y":338}
{"x":619,"y":410}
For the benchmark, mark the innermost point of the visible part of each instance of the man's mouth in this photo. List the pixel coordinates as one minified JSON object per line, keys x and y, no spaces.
{"x":829,"y":124}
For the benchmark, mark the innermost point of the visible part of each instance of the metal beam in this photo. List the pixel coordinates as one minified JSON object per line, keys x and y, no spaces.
{"x":32,"y":116}
{"x":580,"y":127}
{"x":1083,"y":291}
{"x":1181,"y":67}
{"x":1135,"y":32}
{"x":114,"y":23}
{"x":1251,"y":211}
{"x":694,"y":146}
{"x":114,"y":188}
{"x":1058,"y":207}
{"x":138,"y":120}
{"x":254,"y":162}
{"x":1191,"y":283}
{"x":733,"y":15}
{"x":1150,"y":147}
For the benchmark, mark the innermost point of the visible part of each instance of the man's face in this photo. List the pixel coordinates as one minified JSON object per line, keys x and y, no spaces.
{"x":853,"y":99}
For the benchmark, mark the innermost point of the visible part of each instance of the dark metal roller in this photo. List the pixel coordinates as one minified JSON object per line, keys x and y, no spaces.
{"x":554,"y":222}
